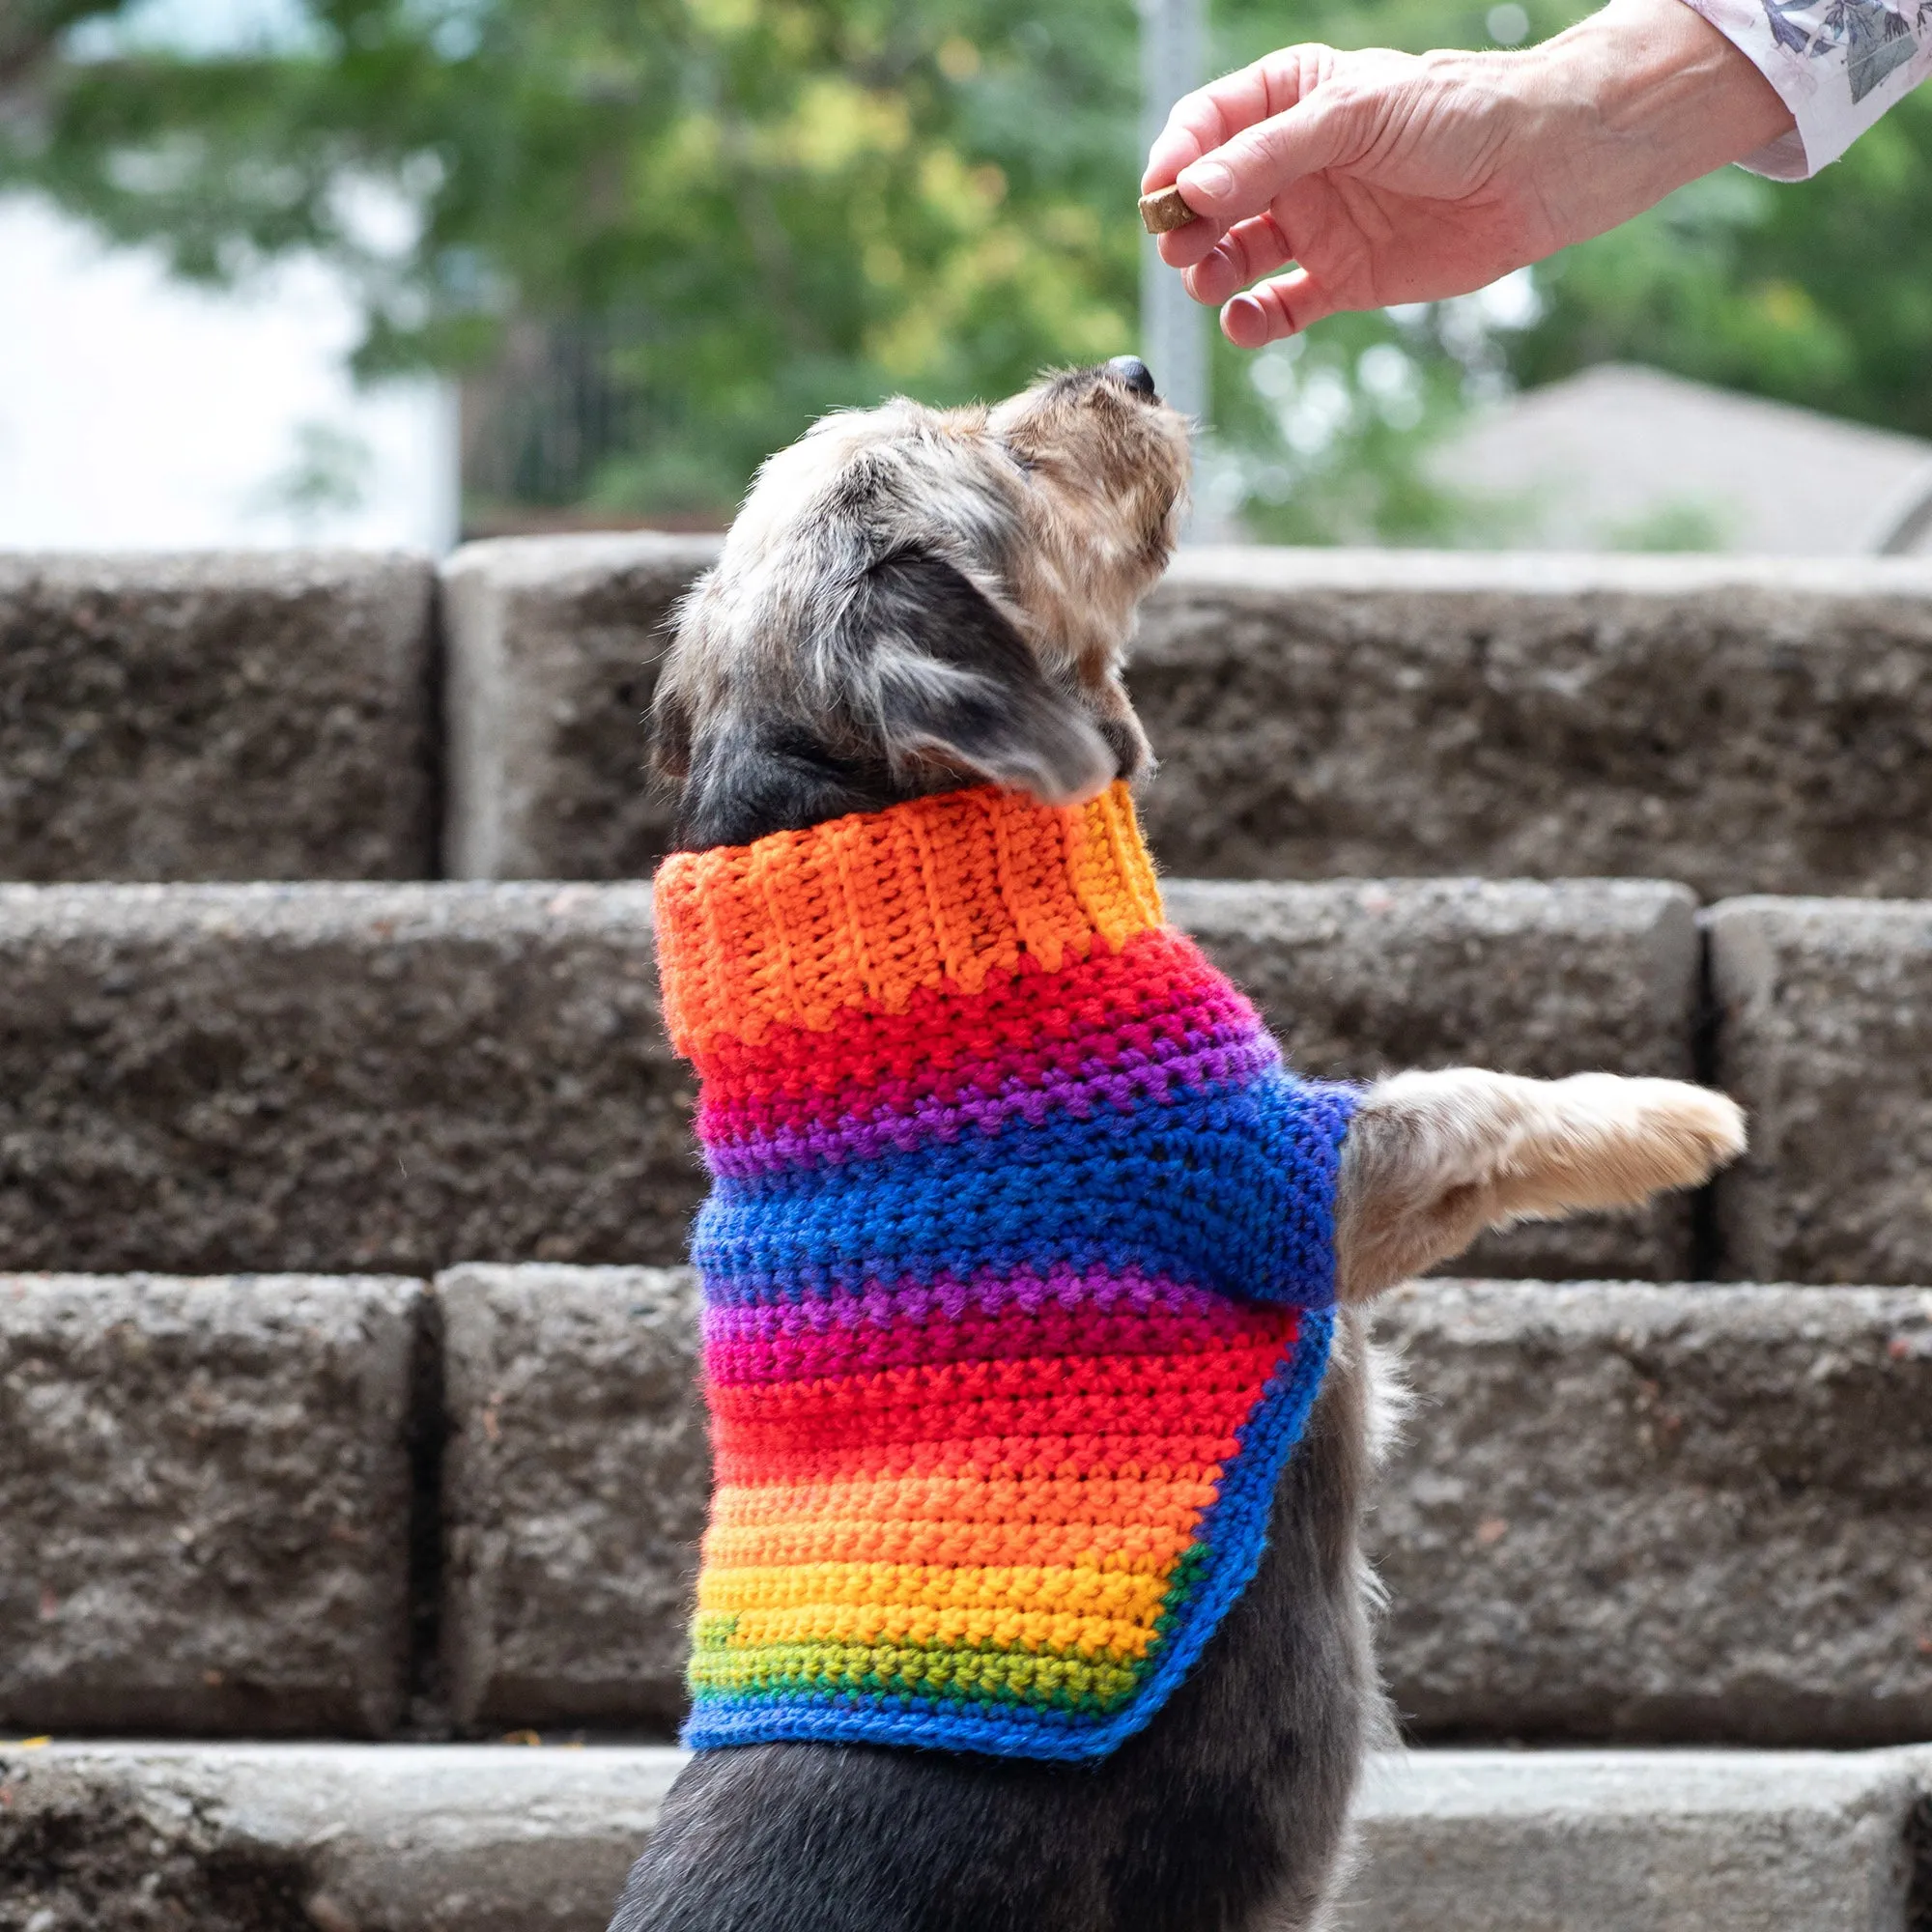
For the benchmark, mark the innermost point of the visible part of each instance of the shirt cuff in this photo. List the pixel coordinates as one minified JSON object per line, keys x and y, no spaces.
{"x":1837,"y":65}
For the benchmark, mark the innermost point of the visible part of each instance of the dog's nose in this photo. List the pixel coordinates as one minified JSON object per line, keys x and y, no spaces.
{"x":1135,"y":373}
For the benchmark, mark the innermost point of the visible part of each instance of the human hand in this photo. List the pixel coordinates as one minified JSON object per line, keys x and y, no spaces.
{"x":1396,"y":178}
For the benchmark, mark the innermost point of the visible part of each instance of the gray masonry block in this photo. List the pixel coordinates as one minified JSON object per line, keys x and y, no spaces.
{"x":1662,"y":1513}
{"x":482,"y":1838}
{"x":321,"y":1838}
{"x":1619,"y":1511}
{"x":1360,"y":978}
{"x":1641,"y":1841}
{"x":574,"y":1492}
{"x":1745,"y":725}
{"x":204,"y":1503}
{"x":246,"y":715}
{"x":1825,"y":1033}
{"x":209,"y":1078}
{"x":553,"y":646}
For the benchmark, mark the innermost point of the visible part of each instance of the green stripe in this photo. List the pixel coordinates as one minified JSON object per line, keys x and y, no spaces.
{"x":967,"y":1676}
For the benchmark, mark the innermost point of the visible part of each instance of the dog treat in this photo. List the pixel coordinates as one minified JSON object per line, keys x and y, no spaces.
{"x":1018,"y":1276}
{"x":1163,"y":211}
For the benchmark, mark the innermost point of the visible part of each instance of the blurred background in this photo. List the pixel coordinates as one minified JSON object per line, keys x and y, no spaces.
{"x":400,"y":271}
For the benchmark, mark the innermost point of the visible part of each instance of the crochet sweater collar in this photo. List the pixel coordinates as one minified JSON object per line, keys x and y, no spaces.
{"x":1018,"y":1266}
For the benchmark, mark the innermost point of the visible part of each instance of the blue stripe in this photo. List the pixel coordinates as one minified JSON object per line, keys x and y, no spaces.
{"x":1231,"y":1187}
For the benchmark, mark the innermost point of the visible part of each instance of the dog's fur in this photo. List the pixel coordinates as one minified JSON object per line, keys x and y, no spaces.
{"x":910,"y":602}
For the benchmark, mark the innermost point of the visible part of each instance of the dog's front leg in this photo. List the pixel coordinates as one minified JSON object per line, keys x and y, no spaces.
{"x":1433,"y":1159}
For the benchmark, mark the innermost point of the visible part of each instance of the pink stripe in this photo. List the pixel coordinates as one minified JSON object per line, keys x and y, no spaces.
{"x":990,"y":1319}
{"x":794,"y":1135}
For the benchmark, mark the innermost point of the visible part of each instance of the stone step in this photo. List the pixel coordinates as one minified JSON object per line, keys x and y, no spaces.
{"x":1325,"y":713}
{"x":1684,"y":1513}
{"x":206,"y":1502}
{"x":246,"y":716}
{"x":210,"y":1079}
{"x":1318,"y":713}
{"x":1824,"y":1031}
{"x":431,"y":1838}
{"x":205,"y":1079}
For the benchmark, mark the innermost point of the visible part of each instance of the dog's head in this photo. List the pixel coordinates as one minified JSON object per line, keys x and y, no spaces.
{"x":913,"y":600}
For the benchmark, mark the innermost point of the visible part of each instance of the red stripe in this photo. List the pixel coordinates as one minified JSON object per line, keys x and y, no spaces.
{"x":1014,"y":1334}
{"x":1157,"y":994}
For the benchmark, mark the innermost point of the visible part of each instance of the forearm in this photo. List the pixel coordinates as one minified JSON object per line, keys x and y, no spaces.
{"x":1648,"y":95}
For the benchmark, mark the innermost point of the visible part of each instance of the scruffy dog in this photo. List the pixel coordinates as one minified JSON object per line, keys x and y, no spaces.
{"x":914,"y":602}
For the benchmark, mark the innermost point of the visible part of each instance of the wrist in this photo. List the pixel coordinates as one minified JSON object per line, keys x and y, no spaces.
{"x":1644,"y":95}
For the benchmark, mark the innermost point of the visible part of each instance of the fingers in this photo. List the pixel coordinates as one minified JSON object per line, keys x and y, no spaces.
{"x":1250,"y":170}
{"x":1182,"y":247}
{"x":1203,"y":119}
{"x":1249,"y":250}
{"x":1276,"y":310}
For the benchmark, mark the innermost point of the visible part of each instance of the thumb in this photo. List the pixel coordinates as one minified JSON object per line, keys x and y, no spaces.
{"x":1243,"y":176}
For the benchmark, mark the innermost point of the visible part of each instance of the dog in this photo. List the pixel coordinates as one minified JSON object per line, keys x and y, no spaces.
{"x":912,"y":602}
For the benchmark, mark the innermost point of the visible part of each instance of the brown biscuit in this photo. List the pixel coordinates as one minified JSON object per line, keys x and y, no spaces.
{"x":1164,"y":210}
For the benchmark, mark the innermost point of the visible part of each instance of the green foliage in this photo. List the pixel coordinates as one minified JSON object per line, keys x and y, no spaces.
{"x":790,"y":205}
{"x":770,"y":208}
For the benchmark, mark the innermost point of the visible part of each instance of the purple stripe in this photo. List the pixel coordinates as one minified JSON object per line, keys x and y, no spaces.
{"x":911,"y":1300}
{"x":1121,"y":1084}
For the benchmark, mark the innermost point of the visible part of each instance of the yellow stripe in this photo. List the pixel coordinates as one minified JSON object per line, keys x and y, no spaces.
{"x":1134,"y":1594}
{"x":867,"y":1625}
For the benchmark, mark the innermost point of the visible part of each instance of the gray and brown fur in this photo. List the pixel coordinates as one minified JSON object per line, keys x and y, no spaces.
{"x":913,"y":601}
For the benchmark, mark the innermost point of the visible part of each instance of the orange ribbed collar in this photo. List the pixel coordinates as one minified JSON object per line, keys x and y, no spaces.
{"x":868,"y":909}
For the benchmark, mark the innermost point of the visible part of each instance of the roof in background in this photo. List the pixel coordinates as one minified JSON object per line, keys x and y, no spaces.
{"x":1625,"y":458}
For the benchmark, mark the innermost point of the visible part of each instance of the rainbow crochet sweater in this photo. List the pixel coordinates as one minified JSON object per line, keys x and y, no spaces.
{"x":1017,"y":1269}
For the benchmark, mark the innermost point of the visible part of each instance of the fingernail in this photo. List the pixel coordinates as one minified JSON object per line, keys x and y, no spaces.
{"x":1249,"y":311}
{"x":1209,"y":179}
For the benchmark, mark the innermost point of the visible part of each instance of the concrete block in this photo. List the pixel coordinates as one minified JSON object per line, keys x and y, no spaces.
{"x":1323,"y":714}
{"x":204,"y":1503}
{"x":575,"y":1489}
{"x":1825,"y":1033}
{"x":1640,"y":1841}
{"x":207,"y":1078}
{"x":1745,"y":725}
{"x":1621,"y":1512}
{"x":325,"y":1837}
{"x":246,"y":716}
{"x":1661,"y":1514}
{"x":554,"y":644}
{"x":1360,"y":978}
{"x":483,"y":1838}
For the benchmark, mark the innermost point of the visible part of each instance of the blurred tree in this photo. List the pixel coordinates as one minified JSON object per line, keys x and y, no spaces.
{"x":772,"y":207}
{"x":724,"y":217}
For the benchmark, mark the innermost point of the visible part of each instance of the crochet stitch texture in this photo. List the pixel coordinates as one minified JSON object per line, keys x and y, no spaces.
{"x":1018,"y":1276}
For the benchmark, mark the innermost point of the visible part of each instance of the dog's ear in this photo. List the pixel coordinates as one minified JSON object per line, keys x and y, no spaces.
{"x":670,"y":733}
{"x":1433,"y":1160}
{"x":939,"y":673}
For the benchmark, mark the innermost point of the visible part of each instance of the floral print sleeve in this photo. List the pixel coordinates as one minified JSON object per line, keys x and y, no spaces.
{"x":1836,"y":64}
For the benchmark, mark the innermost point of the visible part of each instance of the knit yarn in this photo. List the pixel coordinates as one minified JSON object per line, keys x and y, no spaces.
{"x":1018,"y":1274}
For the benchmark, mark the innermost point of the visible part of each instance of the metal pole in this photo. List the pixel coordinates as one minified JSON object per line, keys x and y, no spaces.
{"x":1173,"y":328}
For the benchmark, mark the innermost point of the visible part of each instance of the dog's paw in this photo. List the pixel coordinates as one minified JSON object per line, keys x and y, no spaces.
{"x":1433,"y":1159}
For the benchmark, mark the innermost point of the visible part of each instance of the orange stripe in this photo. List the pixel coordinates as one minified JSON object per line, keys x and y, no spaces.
{"x":1071,"y":1501}
{"x":1131,"y":1454}
{"x":837,"y":1538}
{"x":800,"y":926}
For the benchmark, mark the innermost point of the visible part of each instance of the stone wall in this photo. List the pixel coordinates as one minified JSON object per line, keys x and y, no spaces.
{"x":1640,"y":1513}
{"x":269,"y":716}
{"x":1743,"y":726}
